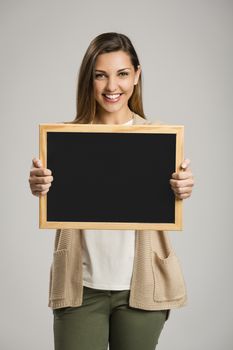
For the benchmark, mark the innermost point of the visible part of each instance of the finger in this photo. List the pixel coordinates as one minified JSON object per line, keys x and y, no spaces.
{"x":185,"y":164}
{"x":183,"y":195}
{"x":40,"y":179}
{"x":36,"y":163}
{"x":182,"y":183}
{"x":182,"y":175}
{"x":39,"y":194}
{"x":40,"y":172}
{"x":183,"y":190}
{"x":40,"y":187}
{"x":185,"y":173}
{"x":44,"y":192}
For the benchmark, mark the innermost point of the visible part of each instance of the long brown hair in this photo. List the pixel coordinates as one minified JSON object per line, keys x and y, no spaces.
{"x":104,"y":43}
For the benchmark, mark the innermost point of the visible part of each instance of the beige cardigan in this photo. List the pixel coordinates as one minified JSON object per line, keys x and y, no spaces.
{"x":157,"y":282}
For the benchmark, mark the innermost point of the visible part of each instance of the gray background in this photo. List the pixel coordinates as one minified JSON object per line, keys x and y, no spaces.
{"x":185,"y":48}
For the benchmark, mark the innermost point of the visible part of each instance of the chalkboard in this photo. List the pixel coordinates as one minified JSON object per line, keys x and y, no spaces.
{"x":111,"y":176}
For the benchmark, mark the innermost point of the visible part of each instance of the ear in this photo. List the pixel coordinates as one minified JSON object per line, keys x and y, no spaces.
{"x":137,"y":75}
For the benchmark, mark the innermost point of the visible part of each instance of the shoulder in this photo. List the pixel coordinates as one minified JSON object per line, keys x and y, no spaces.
{"x":141,"y":120}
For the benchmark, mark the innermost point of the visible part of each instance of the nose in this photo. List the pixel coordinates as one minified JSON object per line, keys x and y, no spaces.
{"x":111,"y":85}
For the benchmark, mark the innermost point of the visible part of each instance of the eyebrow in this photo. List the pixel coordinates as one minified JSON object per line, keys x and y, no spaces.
{"x":119,"y":70}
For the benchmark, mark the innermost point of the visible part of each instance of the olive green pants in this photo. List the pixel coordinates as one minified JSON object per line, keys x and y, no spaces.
{"x":106,"y":318}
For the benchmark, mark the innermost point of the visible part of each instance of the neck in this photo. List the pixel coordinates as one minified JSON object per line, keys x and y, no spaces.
{"x":113,"y":118}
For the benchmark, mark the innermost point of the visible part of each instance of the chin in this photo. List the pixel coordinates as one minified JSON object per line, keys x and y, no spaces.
{"x":110,"y":109}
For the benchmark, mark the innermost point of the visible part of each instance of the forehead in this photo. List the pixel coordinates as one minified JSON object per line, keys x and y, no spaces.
{"x":113,"y":60}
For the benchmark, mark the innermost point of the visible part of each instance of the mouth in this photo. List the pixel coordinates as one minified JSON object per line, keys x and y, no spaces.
{"x":112,"y":97}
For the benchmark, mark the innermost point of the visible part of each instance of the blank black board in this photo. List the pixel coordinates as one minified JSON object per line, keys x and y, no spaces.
{"x":111,"y":177}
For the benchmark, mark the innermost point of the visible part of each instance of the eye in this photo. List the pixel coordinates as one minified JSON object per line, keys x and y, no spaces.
{"x":99,"y":75}
{"x":123,"y":74}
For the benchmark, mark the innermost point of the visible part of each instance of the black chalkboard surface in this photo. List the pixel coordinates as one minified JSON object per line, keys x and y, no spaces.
{"x":111,"y":176}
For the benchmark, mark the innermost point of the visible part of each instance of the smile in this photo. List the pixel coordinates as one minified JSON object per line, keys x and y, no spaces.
{"x":112,"y":98}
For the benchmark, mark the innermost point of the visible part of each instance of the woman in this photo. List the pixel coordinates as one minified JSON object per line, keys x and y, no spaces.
{"x":109,"y":287}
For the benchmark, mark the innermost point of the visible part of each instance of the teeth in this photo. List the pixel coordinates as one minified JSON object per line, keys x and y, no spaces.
{"x":112,"y":97}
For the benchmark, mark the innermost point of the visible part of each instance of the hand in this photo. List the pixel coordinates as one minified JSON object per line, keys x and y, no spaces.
{"x":182,"y":182}
{"x":40,"y":178}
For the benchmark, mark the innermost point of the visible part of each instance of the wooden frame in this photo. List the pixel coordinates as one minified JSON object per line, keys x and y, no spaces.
{"x":146,"y":135}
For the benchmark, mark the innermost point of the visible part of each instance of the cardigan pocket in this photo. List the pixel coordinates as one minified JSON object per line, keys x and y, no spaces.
{"x":58,"y":275}
{"x":169,"y":281}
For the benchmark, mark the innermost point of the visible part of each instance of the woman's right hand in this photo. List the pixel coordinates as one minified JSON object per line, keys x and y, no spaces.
{"x":40,"y":178}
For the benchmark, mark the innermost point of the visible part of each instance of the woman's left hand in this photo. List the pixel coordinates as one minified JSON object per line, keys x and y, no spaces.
{"x":182,"y":182}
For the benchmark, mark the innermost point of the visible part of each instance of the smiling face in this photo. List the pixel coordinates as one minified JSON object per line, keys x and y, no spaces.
{"x":114,"y":82}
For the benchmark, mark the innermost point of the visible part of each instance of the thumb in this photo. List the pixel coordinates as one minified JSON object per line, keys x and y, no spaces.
{"x":36,"y":163}
{"x":185,"y":164}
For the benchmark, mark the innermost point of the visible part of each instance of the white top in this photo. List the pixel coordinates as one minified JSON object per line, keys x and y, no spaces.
{"x":108,"y":257}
